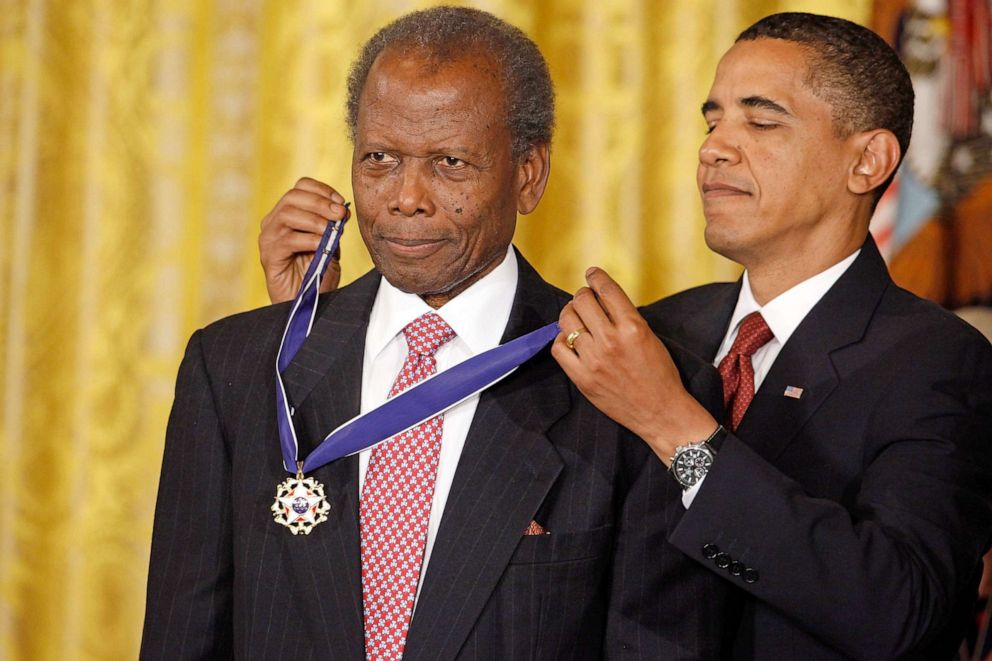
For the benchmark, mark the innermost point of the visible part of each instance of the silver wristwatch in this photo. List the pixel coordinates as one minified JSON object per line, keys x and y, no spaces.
{"x":692,"y":461}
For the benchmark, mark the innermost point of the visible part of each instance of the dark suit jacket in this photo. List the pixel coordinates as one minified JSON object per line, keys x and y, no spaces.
{"x":864,"y":505}
{"x":226,"y":580}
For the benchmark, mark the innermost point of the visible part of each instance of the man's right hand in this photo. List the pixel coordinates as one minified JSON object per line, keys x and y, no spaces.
{"x":290,"y":234}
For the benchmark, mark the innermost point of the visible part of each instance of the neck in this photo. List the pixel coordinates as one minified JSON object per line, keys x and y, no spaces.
{"x":809,"y":245}
{"x":437,"y":299}
{"x":769,"y":278}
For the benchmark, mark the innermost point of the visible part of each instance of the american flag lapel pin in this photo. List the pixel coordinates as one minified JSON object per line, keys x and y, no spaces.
{"x":795,"y":392}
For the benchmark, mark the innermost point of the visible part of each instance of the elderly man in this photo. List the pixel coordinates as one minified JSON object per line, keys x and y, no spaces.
{"x":517,"y":524}
{"x":847,"y":493}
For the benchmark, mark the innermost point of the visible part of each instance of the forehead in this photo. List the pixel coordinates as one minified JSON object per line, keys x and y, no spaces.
{"x":413,"y":94}
{"x":770,"y":68}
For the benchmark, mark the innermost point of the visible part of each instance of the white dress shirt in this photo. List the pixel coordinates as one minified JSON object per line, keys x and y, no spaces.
{"x":783,"y":314}
{"x":478,"y":316}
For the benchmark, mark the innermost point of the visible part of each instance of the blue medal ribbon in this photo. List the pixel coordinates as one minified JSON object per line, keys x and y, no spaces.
{"x":408,"y":409}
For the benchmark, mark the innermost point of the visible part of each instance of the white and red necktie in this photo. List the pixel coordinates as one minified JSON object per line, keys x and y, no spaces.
{"x":396,"y":504}
{"x":736,"y":369}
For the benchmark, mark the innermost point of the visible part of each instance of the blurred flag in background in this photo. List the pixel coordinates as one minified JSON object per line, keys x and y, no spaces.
{"x":934,"y":224}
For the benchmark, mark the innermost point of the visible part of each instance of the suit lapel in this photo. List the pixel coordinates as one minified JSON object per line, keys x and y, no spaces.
{"x":506,"y":469}
{"x":699,"y":378}
{"x":323,"y":383}
{"x":701,"y":328}
{"x":340,"y":325}
{"x":809,"y":359}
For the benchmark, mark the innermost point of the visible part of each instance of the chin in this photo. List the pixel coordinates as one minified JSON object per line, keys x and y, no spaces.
{"x":724,"y":241}
{"x":419,"y":282}
{"x":406,"y":283}
{"x":716,"y":235}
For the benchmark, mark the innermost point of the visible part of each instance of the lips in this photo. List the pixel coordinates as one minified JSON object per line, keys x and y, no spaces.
{"x":409,"y":243}
{"x":412,"y":247}
{"x":715,"y":189}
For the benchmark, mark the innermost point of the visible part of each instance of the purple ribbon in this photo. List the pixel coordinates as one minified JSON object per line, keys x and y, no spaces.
{"x":421,"y":402}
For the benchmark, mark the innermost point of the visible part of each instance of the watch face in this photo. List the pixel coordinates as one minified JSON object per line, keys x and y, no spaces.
{"x":691,"y":465}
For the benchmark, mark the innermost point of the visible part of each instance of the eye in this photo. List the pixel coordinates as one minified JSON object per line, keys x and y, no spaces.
{"x":452,"y":162}
{"x":763,"y":126}
{"x":379,"y":157}
{"x":710,"y":127}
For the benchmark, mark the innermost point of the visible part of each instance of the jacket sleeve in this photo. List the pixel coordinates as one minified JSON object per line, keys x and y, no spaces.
{"x":663,"y":604}
{"x":188,"y":608}
{"x":881,"y":577}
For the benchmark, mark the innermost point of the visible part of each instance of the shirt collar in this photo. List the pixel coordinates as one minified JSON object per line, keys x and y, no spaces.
{"x":785,"y":312}
{"x":473,"y":314}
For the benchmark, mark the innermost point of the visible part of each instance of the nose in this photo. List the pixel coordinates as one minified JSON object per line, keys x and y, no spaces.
{"x":413,"y":195}
{"x":719,"y":148}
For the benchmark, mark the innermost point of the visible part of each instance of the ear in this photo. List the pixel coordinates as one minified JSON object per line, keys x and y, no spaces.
{"x":877,"y":156}
{"x":533,"y":169}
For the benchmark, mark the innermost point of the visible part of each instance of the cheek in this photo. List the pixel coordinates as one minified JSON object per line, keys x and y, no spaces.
{"x":366,"y":209}
{"x":368,"y":190}
{"x":371,"y":194}
{"x":473,"y":222}
{"x":458,"y":201}
{"x":775,"y":177}
{"x":465,"y":211}
{"x":466,"y":206}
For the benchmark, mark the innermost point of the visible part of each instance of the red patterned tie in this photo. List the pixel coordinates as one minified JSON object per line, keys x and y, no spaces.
{"x":736,"y":369}
{"x":396,"y":504}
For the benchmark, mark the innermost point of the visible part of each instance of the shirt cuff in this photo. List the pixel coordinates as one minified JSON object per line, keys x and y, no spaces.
{"x":690,"y":494}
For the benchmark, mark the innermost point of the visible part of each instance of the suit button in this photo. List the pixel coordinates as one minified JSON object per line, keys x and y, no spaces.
{"x":722,"y":560}
{"x":750,"y":575}
{"x":710,"y":551}
{"x":736,"y":568}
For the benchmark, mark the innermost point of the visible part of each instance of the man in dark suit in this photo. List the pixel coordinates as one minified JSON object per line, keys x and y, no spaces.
{"x":847,"y":495}
{"x":542,"y":532}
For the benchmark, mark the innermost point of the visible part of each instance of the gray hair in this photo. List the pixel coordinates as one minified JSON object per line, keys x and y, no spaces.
{"x":445,"y":33}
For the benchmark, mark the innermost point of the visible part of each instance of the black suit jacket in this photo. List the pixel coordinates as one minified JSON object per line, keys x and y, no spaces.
{"x":864,"y":505}
{"x":226,"y":580}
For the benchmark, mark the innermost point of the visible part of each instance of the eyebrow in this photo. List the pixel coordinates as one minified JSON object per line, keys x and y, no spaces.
{"x":764,"y":103}
{"x":748,"y":102}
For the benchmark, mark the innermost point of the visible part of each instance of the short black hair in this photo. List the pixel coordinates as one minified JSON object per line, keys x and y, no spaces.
{"x":852,"y":69}
{"x":443,"y":34}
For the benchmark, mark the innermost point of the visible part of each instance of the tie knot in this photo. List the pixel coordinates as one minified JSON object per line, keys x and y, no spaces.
{"x":752,"y":335}
{"x":426,"y":334}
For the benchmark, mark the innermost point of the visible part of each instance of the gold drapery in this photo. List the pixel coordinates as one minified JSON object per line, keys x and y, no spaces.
{"x":141,"y":142}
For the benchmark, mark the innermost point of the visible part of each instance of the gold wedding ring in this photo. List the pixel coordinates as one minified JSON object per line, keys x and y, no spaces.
{"x":573,"y":336}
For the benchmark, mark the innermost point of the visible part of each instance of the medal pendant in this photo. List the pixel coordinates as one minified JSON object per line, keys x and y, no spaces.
{"x":300,"y":504}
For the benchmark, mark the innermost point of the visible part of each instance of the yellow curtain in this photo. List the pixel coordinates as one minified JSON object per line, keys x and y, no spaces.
{"x":140,"y":144}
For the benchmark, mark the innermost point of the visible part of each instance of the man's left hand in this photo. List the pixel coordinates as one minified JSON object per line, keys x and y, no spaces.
{"x":624,"y":370}
{"x":291,"y":233}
